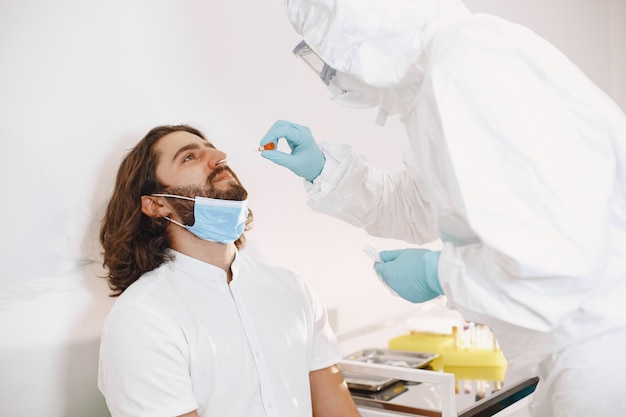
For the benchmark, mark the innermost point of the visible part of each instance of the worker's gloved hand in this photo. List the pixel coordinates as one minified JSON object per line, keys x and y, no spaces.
{"x":411,"y":273}
{"x":306,"y":159}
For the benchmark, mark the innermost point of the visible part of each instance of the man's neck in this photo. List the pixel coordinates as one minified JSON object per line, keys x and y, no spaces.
{"x":214,"y":253}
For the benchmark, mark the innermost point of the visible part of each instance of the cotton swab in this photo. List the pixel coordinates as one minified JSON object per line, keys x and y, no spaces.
{"x":269,"y":147}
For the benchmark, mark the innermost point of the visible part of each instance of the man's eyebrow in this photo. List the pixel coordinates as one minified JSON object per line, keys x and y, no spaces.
{"x":190,"y":147}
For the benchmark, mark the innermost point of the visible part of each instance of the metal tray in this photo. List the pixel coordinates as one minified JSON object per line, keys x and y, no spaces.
{"x":383,"y":357}
{"x":367,"y":382}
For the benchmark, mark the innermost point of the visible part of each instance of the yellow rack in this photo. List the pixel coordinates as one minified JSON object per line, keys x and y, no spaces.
{"x":460,"y":355}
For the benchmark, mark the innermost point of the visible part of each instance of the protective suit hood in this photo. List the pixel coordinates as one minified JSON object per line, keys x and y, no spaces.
{"x":378,"y":42}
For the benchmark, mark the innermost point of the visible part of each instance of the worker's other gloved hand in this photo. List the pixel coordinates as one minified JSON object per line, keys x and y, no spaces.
{"x":412,"y":273}
{"x":306,"y":159}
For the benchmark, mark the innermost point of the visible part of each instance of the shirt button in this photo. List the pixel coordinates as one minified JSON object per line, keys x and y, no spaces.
{"x":269,"y":405}
{"x":257,"y":354}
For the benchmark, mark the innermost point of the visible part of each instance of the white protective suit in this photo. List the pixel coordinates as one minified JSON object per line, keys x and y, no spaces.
{"x":518,"y":164}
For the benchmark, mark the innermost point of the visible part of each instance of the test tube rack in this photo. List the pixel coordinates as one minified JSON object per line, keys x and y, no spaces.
{"x":471,"y":353}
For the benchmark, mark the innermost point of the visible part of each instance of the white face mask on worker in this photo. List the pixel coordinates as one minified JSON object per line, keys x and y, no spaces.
{"x":350,"y":92}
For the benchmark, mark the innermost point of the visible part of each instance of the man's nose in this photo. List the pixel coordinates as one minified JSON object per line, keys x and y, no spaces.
{"x":216,"y":159}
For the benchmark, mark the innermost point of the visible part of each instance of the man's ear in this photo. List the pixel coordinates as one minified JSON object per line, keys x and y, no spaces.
{"x":153,"y":206}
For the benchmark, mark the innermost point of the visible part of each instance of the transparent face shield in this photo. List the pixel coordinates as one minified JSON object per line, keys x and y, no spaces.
{"x":343,"y":88}
{"x":314,"y":62}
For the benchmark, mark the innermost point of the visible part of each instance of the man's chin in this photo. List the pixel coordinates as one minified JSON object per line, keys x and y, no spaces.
{"x":228,"y":190}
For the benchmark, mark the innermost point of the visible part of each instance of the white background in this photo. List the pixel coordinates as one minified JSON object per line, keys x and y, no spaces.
{"x":82,"y":81}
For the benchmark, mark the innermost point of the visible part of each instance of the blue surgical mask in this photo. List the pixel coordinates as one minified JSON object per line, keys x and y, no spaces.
{"x":216,"y":220}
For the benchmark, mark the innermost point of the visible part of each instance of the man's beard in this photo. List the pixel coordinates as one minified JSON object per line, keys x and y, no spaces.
{"x":184,"y":208}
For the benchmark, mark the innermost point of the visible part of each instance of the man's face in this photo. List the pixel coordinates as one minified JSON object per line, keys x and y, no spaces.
{"x":187,"y":167}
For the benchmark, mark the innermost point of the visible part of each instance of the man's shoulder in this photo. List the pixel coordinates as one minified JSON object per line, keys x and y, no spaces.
{"x":144,"y":289}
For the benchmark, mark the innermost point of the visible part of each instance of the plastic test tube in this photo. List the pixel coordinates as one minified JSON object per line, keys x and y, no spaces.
{"x":372,"y":253}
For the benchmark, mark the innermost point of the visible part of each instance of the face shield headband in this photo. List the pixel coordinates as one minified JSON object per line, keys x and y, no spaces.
{"x":313,"y":61}
{"x":343,"y":89}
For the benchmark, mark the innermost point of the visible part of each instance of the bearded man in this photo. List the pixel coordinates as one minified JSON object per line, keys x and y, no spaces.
{"x":199,"y":329}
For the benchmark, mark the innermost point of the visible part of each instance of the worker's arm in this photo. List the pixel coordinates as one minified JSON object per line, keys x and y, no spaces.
{"x":389,"y":204}
{"x":330,"y":395}
{"x":341,"y":183}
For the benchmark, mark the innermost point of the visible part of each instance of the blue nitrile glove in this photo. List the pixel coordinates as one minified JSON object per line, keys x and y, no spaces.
{"x":412,"y":273}
{"x":306,"y":160}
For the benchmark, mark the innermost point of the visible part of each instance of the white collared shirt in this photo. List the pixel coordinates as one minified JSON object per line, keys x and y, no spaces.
{"x":181,"y":339}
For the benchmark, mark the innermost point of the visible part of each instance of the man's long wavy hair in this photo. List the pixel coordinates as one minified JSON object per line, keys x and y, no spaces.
{"x":134,"y":243}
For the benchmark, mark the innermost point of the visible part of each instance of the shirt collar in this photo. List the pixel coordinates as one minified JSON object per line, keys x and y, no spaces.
{"x":200,"y":268}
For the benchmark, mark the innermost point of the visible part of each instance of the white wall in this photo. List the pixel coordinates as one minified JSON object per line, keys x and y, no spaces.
{"x":81,"y":81}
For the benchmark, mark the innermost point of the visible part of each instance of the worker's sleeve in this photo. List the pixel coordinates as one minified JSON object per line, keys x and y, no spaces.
{"x":144,"y":368}
{"x":386,"y":204}
{"x":533,"y":146}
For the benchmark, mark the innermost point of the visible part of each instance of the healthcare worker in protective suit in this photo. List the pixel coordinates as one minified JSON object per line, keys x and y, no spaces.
{"x":517,"y":163}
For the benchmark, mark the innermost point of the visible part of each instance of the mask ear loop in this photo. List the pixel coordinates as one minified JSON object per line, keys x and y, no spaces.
{"x":174,"y":196}
{"x":175,"y":222}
